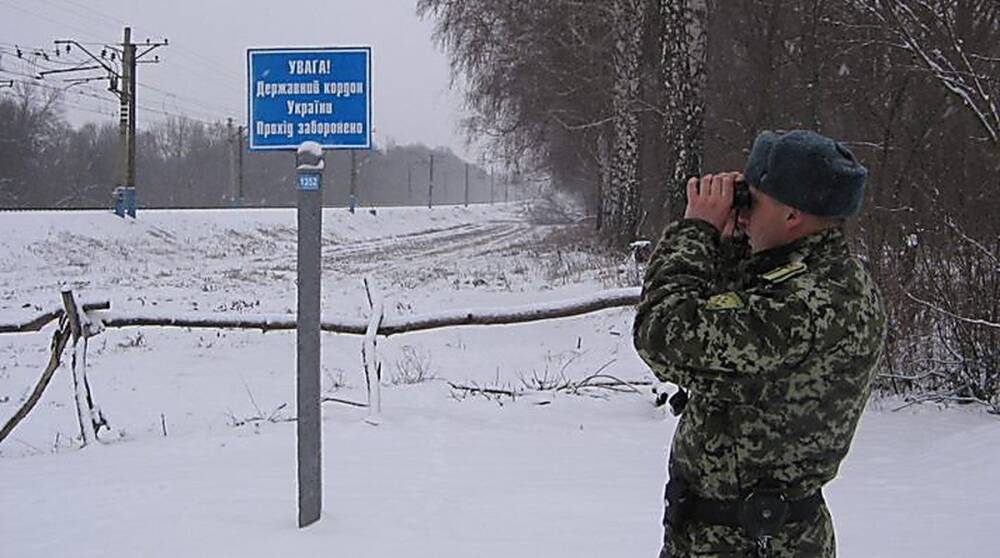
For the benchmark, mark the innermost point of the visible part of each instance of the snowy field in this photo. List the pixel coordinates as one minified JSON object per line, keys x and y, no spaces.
{"x":444,"y":473}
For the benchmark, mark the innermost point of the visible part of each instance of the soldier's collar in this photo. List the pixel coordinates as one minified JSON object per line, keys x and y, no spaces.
{"x":799,"y":250}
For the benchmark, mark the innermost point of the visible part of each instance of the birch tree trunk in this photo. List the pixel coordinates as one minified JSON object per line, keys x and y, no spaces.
{"x":623,"y":194}
{"x":603,"y":182}
{"x":683,"y":55}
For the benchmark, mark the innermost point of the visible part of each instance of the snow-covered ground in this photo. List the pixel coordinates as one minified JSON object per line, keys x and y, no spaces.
{"x":444,"y":473}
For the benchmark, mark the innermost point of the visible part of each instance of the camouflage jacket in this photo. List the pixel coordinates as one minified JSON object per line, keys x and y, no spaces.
{"x":779,"y":358}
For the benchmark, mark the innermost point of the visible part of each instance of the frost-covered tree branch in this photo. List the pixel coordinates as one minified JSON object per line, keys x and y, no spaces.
{"x":928,"y":29}
{"x":971,"y":321}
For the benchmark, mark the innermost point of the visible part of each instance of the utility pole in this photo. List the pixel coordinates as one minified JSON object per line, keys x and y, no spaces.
{"x":121,"y":83}
{"x":409,"y":184}
{"x":126,"y":123}
{"x":430,"y":185}
{"x":239,"y":165}
{"x":230,"y":141}
{"x":235,"y":141}
{"x":492,"y":181}
{"x":466,"y":184}
{"x":352,"y":197}
{"x":506,"y":188}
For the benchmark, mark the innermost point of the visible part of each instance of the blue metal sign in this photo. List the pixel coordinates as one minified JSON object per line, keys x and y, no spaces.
{"x":303,"y":94}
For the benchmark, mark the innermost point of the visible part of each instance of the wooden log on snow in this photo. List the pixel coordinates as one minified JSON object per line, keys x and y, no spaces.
{"x":612,"y":298}
{"x":40,"y":321}
{"x":59,"y":339}
{"x":391,"y":325}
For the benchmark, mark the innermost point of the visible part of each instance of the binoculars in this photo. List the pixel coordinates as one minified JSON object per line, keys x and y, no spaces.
{"x":741,"y":195}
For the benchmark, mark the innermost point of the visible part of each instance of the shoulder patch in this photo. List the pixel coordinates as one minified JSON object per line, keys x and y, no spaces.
{"x":724,"y":301}
{"x":784,"y":272}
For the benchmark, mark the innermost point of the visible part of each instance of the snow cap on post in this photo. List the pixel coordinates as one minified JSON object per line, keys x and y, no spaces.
{"x":309,"y":156}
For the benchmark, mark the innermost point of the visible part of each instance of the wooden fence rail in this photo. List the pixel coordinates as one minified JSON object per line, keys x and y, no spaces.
{"x":98,"y":315}
{"x":38,"y":322}
{"x":391,"y":325}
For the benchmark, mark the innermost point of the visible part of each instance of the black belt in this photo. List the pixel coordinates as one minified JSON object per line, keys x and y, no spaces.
{"x":761,"y":513}
{"x":766,"y":506}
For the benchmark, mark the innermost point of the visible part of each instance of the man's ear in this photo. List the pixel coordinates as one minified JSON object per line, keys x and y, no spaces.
{"x":793,"y":218}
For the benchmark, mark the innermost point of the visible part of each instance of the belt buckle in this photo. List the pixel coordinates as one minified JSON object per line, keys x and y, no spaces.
{"x":763,"y":512}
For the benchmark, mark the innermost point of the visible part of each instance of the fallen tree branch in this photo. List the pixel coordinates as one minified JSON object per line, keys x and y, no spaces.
{"x":920,"y":378}
{"x":40,"y":321}
{"x":391,"y":325}
{"x":236,"y":422}
{"x":59,"y":339}
{"x":484,"y":390}
{"x":343,"y":401}
{"x":611,"y":383}
{"x":992,"y":408}
{"x":603,"y":300}
{"x":275,"y":416}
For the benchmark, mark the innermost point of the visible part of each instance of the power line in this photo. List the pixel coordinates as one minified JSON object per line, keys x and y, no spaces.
{"x":202,"y":59}
{"x":48,"y":19}
{"x":81,"y":94}
{"x":33,"y":65}
{"x":22,"y":74}
{"x":213,"y":117}
{"x":91,"y":93}
{"x":95,"y":95}
{"x":219,"y":81}
{"x":176,"y":115}
{"x":93,"y":10}
{"x":180,"y":48}
{"x":196,"y":62}
{"x":53,"y":56}
{"x":86,"y":11}
{"x":193,"y":100}
{"x":38,"y":70}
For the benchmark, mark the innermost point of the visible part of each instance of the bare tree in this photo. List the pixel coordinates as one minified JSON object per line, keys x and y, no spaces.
{"x":30,"y":122}
{"x":622,"y":202}
{"x":941,"y":35}
{"x":682,"y":58}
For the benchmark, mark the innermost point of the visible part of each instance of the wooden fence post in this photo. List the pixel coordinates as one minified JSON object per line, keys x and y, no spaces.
{"x":85,"y":413}
{"x":369,"y":354}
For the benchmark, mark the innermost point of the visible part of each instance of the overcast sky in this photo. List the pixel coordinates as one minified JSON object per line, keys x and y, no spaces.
{"x":202,"y":71}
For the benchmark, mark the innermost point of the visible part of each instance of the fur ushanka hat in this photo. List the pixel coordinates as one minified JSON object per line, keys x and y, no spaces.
{"x":807,"y":171}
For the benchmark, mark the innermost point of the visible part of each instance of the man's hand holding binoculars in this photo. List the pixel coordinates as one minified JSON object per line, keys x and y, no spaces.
{"x":711,"y":199}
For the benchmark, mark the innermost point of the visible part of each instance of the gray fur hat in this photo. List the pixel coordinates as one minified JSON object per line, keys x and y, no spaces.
{"x":807,"y":171}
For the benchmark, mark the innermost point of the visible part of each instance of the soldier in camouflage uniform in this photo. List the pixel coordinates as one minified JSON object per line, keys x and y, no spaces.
{"x":778,"y":357}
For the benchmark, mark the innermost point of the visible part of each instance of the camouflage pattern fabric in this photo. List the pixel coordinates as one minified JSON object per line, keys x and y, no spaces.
{"x":779,"y":359}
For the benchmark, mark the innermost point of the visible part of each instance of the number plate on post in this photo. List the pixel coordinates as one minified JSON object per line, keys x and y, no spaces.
{"x":309,"y":181}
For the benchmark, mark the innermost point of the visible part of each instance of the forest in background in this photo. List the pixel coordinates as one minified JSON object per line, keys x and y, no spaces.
{"x":619,"y":101}
{"x":184,"y":162}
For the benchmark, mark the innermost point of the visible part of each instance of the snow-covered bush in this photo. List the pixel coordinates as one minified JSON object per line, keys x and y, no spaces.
{"x":412,"y":367}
